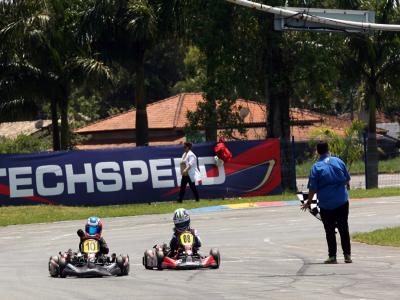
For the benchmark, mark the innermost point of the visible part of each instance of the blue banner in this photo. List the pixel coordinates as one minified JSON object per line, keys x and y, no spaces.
{"x":136,"y":175}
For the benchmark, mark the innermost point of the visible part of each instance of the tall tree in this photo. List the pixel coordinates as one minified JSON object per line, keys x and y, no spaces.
{"x":124,"y":32}
{"x":376,"y":58}
{"x":226,"y":37}
{"x":45,"y":56}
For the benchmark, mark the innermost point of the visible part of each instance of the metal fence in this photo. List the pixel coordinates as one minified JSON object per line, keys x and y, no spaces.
{"x":388,"y":157}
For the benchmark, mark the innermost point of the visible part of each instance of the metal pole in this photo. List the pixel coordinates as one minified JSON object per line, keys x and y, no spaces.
{"x":365,"y":159}
{"x":294,"y":184}
{"x":320,"y":20}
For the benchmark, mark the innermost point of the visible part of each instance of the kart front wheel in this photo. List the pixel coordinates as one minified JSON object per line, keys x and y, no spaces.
{"x":54,"y":267}
{"x":217,"y":257}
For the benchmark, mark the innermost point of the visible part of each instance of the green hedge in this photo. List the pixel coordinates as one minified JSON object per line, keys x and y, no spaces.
{"x":24,"y":144}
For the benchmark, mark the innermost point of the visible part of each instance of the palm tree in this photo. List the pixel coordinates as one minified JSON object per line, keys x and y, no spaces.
{"x":376,"y":58}
{"x":123,"y":31}
{"x":42,"y":52}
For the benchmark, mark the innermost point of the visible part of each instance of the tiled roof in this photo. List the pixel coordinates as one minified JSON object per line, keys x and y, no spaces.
{"x":13,"y":129}
{"x":160,"y":114}
{"x":169,"y":113}
{"x":127,"y":145}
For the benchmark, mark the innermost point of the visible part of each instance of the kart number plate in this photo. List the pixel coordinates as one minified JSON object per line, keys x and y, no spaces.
{"x":186,"y":239}
{"x":90,"y":246}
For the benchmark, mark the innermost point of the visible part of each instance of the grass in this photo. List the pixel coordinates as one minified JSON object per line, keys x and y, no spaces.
{"x":389,"y":166}
{"x":375,"y":193}
{"x":10,"y":215}
{"x":383,"y":237}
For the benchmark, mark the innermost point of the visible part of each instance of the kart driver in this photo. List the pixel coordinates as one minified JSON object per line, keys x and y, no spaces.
{"x":93,"y":229}
{"x":182,"y":223}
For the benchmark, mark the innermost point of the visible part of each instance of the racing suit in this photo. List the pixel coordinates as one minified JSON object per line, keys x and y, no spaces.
{"x":84,"y":236}
{"x":174,"y":243}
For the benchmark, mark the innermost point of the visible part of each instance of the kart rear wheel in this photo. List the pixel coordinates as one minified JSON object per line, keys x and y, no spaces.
{"x":160,"y":259}
{"x":145,"y":261}
{"x":121,"y":262}
{"x":217,"y":257}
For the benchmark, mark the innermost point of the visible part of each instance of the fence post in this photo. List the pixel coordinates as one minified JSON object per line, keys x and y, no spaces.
{"x":294,"y":183}
{"x":365,"y":159}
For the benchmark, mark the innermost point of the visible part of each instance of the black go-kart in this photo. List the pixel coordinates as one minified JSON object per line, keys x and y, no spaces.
{"x":88,"y":263}
{"x":185,"y":258}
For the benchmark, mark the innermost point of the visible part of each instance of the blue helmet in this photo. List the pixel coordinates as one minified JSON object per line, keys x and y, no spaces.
{"x":94,"y":226}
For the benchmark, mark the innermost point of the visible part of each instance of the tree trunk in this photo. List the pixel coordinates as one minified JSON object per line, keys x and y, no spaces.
{"x":65,"y":138}
{"x":372,"y":145}
{"x":142,"y":129}
{"x":212,"y":92}
{"x":211,"y":121}
{"x":277,"y":90}
{"x":54,"y":123}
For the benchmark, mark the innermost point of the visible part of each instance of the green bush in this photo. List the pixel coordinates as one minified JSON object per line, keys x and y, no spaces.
{"x":24,"y":144}
{"x":348,"y":147}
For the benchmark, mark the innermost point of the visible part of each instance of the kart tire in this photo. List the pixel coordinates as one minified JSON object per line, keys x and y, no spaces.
{"x":62,"y":264}
{"x":160,"y":258}
{"x":53,"y":269}
{"x":217,"y":257}
{"x":125,"y":269}
{"x":145,"y":261}
{"x":121,"y":264}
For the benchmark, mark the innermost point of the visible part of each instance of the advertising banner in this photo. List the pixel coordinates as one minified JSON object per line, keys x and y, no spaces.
{"x":136,"y":175}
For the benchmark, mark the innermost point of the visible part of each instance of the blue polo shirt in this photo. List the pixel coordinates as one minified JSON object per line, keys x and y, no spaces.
{"x":328,"y":178}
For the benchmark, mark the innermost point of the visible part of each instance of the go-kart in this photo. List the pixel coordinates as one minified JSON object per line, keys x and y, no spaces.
{"x":88,"y":263}
{"x":185,"y":258}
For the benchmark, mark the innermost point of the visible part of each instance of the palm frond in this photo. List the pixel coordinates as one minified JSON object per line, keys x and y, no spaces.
{"x":92,"y":68}
{"x":141,"y":20}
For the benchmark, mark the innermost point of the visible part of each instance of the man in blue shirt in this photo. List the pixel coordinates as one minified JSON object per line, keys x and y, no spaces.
{"x":329,"y":179}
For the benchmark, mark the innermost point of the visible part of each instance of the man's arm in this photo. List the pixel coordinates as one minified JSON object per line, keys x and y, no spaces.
{"x":312,"y":188}
{"x":103,"y":246}
{"x":307,"y":205}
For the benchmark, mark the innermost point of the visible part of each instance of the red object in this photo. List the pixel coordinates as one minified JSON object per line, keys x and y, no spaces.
{"x":169,"y":262}
{"x":222,"y":151}
{"x":91,"y":237}
{"x":208,"y":261}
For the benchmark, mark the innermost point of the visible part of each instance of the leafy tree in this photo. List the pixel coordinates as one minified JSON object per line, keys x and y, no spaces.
{"x":44,"y":55}
{"x":22,"y":85}
{"x":194,"y":69}
{"x":24,"y":144}
{"x":224,"y":47}
{"x":125,"y":32}
{"x":375,"y":57}
{"x":348,"y":147}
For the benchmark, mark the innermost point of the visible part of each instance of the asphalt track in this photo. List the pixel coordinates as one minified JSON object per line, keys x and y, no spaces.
{"x":267,"y":253}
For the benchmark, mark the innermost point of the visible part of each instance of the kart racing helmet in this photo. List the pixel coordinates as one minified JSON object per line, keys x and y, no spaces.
{"x":181,"y":219}
{"x":94,"y":226}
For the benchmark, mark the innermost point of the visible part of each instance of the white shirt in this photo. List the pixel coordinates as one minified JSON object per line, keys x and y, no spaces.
{"x":190,"y":159}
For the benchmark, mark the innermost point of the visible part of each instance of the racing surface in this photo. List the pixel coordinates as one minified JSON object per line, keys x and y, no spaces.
{"x":266,"y":253}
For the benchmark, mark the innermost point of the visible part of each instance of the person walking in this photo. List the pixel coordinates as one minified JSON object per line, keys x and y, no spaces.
{"x":329,"y":179}
{"x":189,"y":171}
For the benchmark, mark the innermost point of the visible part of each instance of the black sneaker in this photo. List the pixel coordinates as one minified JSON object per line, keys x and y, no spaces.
{"x":331,"y":260}
{"x":347,"y":259}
